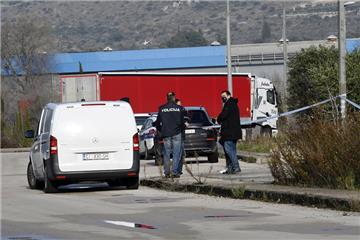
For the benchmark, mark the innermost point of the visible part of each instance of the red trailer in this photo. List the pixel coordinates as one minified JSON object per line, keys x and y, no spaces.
{"x":147,"y":91}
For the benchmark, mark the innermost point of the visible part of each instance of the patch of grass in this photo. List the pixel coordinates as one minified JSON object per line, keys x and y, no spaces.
{"x":238,"y":192}
{"x":258,"y":145}
{"x":319,"y":153}
{"x":248,"y":159}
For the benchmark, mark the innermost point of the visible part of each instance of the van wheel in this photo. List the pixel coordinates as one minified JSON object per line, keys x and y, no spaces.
{"x":213,"y":157}
{"x":132,"y":183}
{"x":32,"y":181}
{"x":115,"y":183}
{"x":50,"y":186}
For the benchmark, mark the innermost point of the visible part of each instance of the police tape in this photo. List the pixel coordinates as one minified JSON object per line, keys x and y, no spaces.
{"x":300,"y":110}
{"x":350,"y":102}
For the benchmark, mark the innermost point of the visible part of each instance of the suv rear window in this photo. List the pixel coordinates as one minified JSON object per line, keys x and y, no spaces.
{"x":198,"y":117}
{"x":140,"y":120}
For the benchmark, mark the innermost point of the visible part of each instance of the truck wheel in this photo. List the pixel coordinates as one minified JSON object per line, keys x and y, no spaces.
{"x":50,"y":186}
{"x":132,"y":183}
{"x":32,"y":181}
{"x":266,"y":131}
{"x":213,"y":157}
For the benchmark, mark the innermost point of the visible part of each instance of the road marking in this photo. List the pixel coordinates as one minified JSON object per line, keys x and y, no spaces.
{"x":129,"y":224}
{"x":224,"y":216}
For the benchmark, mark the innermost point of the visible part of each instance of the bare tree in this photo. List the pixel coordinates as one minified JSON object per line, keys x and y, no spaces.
{"x":25,"y":46}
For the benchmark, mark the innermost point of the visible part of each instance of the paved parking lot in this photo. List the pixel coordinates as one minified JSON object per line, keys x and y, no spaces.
{"x":97,"y":212}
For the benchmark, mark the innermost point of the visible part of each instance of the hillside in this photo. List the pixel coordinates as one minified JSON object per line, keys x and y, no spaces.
{"x":91,"y":26}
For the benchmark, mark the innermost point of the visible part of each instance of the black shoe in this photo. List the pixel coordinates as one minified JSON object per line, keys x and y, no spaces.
{"x":237,"y":171}
{"x":176,"y":176}
{"x":167,"y":176}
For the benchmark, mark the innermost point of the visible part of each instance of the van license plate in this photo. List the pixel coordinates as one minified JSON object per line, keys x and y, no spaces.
{"x":190,"y":131}
{"x":96,"y":156}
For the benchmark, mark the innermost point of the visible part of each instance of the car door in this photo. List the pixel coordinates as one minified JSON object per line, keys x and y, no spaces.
{"x":45,"y":137}
{"x":142,"y":136}
{"x":150,"y":134}
{"x":35,"y":149}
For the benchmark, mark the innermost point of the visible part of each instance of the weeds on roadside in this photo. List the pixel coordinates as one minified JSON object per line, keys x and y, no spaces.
{"x":199,"y":178}
{"x":319,"y":153}
{"x":262,"y":144}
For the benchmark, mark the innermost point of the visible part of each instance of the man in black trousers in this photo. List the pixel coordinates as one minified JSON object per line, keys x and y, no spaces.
{"x":229,"y":119}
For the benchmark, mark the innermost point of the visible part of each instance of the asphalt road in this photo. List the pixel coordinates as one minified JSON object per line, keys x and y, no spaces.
{"x":97,"y":212}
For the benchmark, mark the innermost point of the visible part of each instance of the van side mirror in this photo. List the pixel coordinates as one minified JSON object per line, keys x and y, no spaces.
{"x":29,"y":134}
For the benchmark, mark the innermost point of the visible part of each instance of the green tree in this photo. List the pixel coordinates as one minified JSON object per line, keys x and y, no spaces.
{"x":313,"y":76}
{"x":188,"y":38}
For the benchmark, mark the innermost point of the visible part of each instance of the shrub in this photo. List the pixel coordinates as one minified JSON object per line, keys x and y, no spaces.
{"x":319,"y":153}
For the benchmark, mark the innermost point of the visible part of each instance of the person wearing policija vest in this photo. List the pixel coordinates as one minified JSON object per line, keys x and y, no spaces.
{"x":229,"y":119}
{"x":171,"y":120}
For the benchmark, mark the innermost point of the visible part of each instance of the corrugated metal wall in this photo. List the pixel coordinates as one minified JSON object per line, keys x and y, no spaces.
{"x":78,"y":87}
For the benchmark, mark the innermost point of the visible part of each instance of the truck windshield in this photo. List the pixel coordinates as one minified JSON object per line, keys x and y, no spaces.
{"x":270,"y":95}
{"x":198,"y":117}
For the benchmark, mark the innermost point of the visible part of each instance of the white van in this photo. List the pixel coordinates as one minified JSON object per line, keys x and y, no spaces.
{"x":86,"y":141}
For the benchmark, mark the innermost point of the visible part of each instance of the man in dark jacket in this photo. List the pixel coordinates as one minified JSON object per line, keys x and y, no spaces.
{"x":171,"y":120}
{"x":229,"y":119}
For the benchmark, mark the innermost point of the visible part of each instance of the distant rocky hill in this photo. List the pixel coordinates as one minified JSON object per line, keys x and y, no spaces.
{"x":91,"y":26}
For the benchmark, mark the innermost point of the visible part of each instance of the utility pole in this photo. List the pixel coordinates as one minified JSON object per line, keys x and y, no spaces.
{"x":285,"y":56}
{"x":342,"y":53}
{"x":228,"y":47}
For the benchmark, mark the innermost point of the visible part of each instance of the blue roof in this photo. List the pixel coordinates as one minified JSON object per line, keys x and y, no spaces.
{"x":352,"y":44}
{"x":148,"y":59}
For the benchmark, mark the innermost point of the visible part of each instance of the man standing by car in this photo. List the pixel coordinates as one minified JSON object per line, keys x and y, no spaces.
{"x":171,"y":120}
{"x":183,"y":154}
{"x":229,"y":119}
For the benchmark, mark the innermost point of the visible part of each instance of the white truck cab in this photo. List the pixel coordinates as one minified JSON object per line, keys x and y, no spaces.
{"x":265,"y":104}
{"x":85,"y":141}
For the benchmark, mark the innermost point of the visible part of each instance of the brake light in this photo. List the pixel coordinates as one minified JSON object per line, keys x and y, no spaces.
{"x":136,"y":142}
{"x":92,"y":104}
{"x":53,"y":146}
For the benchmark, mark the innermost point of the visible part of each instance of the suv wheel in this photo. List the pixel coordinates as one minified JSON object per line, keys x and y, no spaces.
{"x":147,"y":155}
{"x":50,"y":186}
{"x":32,"y":181}
{"x":213,"y":157}
{"x":158,"y":154}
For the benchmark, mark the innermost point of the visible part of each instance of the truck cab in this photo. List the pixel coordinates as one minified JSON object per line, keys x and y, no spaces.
{"x":264,"y":104}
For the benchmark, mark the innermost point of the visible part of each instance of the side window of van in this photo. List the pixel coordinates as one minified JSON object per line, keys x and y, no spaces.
{"x":47,"y":123}
{"x":41,"y":122}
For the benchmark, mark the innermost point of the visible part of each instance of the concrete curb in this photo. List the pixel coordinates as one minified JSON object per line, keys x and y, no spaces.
{"x":13,"y":150}
{"x":243,"y":191}
{"x":261,"y":158}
